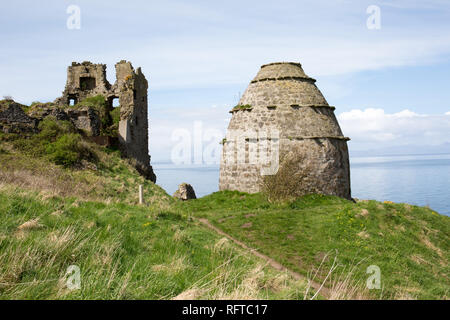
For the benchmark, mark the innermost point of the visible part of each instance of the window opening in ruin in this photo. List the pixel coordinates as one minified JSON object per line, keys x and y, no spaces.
{"x":134,"y":94}
{"x":115,"y":102}
{"x":87,"y":83}
{"x":72,"y":100}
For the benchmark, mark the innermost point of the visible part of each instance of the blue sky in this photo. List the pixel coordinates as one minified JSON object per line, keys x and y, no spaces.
{"x":390,"y":86}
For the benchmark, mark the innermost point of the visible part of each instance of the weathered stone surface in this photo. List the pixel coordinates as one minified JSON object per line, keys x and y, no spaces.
{"x":85,"y":119}
{"x":14,"y":120}
{"x":284,"y":98}
{"x":185,"y":192}
{"x":105,"y":141}
{"x":43,"y":110}
{"x":87,"y":80}
{"x":84,"y":80}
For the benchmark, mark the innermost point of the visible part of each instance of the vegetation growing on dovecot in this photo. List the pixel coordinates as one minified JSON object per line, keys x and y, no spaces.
{"x":242,"y":107}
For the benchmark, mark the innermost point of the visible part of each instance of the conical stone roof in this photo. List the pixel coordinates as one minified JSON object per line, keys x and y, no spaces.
{"x":279,"y":70}
{"x":282,"y":96}
{"x":295,"y":103}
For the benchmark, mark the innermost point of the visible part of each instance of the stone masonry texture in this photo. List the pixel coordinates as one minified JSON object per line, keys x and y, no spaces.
{"x":87,"y":80}
{"x":283,"y":97}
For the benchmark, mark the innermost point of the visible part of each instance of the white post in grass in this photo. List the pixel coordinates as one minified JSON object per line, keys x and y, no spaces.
{"x":141,"y":194}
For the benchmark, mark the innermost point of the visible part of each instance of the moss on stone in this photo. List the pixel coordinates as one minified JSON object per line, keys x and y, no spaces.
{"x":242,"y":107}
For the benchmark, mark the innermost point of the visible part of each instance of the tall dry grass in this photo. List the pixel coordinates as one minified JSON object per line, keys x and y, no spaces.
{"x":338,"y":281}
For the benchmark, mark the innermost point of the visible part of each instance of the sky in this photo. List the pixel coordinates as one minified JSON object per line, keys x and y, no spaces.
{"x":390,"y":85}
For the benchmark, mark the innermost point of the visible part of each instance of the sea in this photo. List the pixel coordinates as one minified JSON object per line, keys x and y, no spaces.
{"x":422,"y":180}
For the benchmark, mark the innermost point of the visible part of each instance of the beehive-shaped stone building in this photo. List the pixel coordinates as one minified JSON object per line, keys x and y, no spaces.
{"x":283,"y":99}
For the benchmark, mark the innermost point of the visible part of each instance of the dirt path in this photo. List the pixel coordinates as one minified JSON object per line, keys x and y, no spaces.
{"x":278,"y":266}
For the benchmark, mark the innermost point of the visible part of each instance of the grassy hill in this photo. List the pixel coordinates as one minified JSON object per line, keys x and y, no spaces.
{"x":65,"y":201}
{"x":410,"y":244}
{"x":123,"y":252}
{"x":55,"y":215}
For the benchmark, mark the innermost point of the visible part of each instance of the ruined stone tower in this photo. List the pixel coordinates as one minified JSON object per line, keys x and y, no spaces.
{"x":283,"y":99}
{"x":87,"y":80}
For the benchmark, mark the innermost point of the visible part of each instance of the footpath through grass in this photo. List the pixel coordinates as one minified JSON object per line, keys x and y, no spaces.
{"x":123,"y":252}
{"x":54,"y":215}
{"x":409,"y":244}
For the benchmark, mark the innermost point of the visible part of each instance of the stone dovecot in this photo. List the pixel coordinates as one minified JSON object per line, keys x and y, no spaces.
{"x":88,"y":80}
{"x":283,"y":97}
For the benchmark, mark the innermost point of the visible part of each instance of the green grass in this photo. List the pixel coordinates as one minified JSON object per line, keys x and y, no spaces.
{"x":410,"y":244}
{"x":110,"y":118}
{"x":86,"y":215}
{"x":89,"y":217}
{"x":123,"y":252}
{"x":56,"y":141}
{"x":103,"y":176}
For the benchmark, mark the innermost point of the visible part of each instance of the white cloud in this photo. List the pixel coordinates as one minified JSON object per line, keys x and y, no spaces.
{"x":209,"y":44}
{"x":368,"y":128}
{"x":371,"y":128}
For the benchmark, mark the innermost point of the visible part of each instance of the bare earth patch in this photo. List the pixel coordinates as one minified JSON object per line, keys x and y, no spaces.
{"x":247,"y":225}
{"x":363,"y":234}
{"x":29,"y":225}
{"x":190,"y":294}
{"x":418,"y":259}
{"x":363,"y":213}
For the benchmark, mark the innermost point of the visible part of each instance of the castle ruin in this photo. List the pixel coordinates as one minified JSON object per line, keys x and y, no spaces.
{"x":86,"y":80}
{"x":283,"y":98}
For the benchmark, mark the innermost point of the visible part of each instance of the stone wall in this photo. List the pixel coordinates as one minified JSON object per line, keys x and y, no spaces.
{"x":85,"y":119}
{"x":283,"y":98}
{"x":13,"y":119}
{"x":76,"y":89}
{"x":87,"y":80}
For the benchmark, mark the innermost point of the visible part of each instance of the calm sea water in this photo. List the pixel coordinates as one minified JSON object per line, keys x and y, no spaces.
{"x":420,"y":179}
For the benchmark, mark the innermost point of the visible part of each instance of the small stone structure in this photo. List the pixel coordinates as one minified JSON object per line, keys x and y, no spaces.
{"x":14,"y":120}
{"x":185,"y":192}
{"x":284,"y":98}
{"x":88,"y":80}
